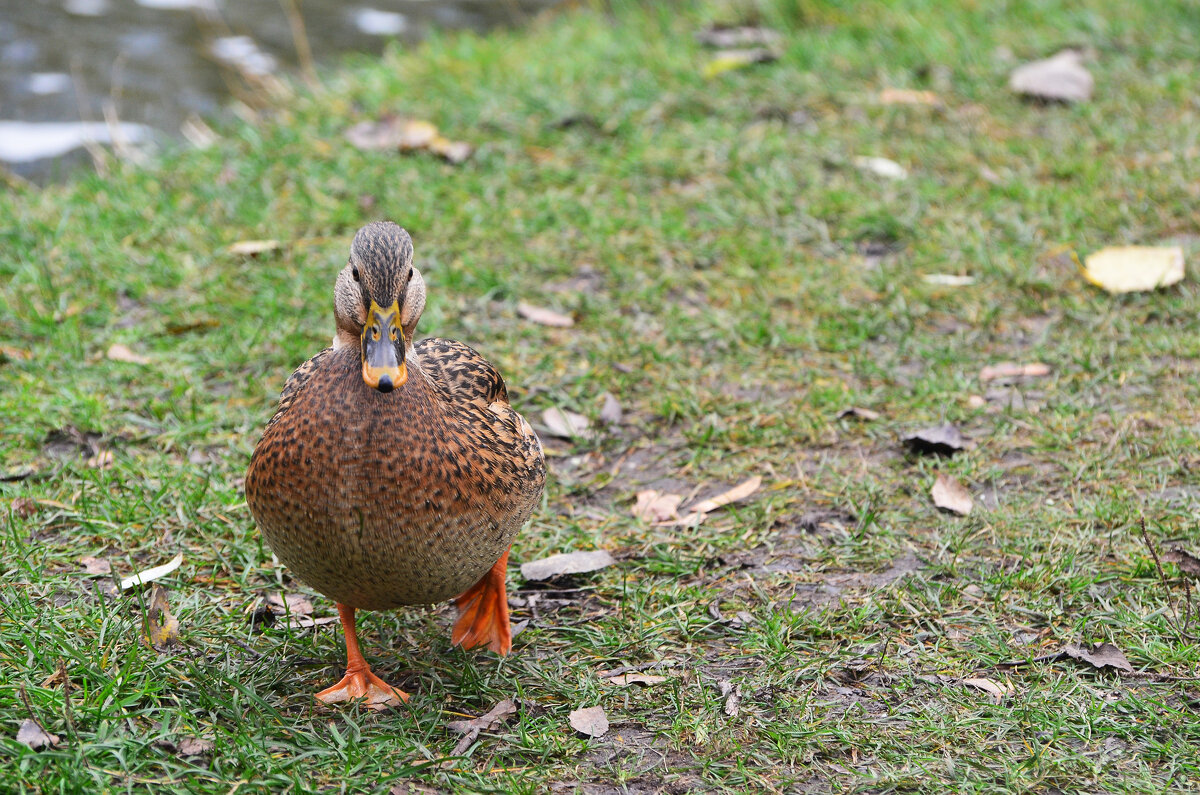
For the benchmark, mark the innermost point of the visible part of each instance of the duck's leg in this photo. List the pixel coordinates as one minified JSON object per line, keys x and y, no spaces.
{"x":359,"y":682}
{"x":483,"y":613}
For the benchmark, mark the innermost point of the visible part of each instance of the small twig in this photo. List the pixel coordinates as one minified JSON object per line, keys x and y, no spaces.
{"x":1180,"y":626}
{"x":300,"y":39}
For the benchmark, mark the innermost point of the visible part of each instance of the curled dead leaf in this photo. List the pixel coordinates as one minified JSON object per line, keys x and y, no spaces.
{"x":589,"y":721}
{"x":733,"y":696}
{"x":1061,"y":78}
{"x":1105,"y":655}
{"x":1129,"y":269}
{"x":653,"y":506}
{"x":1005,"y":370}
{"x":882,"y":167}
{"x":635,"y":679}
{"x":162,"y":628}
{"x":1186,"y":561}
{"x":32,"y":734}
{"x":290,"y":604}
{"x":251,"y":248}
{"x":723,"y":37}
{"x":103,"y":459}
{"x":567,"y":424}
{"x":610,"y":412}
{"x":470,"y":729}
{"x":121,"y":353}
{"x":567,"y":563}
{"x":195,"y":746}
{"x":729,"y":60}
{"x":997,"y":690}
{"x":546,"y":317}
{"x":941,"y":440}
{"x":950,"y":495}
{"x":908,"y":96}
{"x":93,"y":565}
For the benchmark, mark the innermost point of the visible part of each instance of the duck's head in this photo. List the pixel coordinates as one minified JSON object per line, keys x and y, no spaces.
{"x":378,"y":300}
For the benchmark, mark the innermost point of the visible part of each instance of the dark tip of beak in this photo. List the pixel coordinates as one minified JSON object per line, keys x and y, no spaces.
{"x":385,"y":384}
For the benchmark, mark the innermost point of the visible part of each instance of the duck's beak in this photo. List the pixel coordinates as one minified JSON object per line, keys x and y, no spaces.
{"x":383,"y":348}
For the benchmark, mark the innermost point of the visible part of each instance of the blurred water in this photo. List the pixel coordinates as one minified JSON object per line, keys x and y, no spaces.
{"x":153,"y":63}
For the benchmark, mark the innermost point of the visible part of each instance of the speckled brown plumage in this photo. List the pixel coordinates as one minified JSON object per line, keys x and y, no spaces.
{"x":378,"y":499}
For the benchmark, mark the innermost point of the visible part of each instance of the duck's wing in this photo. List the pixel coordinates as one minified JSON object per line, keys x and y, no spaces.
{"x":297,"y":381}
{"x":460,"y":373}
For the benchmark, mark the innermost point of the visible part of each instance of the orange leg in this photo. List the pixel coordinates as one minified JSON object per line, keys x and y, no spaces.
{"x":359,"y":682}
{"x":483,"y":613}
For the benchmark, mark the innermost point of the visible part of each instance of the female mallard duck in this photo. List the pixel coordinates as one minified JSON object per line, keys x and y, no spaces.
{"x":395,"y":473}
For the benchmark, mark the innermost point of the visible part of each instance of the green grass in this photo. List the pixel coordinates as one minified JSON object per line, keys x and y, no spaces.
{"x":712,"y":253}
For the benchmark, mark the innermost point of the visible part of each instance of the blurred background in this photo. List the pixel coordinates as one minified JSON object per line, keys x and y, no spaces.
{"x":131,"y":71}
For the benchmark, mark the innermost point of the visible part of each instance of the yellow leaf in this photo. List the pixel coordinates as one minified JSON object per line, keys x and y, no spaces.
{"x":729,"y":60}
{"x":1129,"y":269}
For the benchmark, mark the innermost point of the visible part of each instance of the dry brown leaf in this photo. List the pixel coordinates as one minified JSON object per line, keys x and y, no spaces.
{"x":1062,"y":78}
{"x":997,"y":690}
{"x":610,"y":412}
{"x":546,"y":317}
{"x":908,"y":96}
{"x":252,"y":248}
{"x":24,"y":507}
{"x":567,"y":563}
{"x":950,"y":495}
{"x":635,"y":679}
{"x":733,"y":696}
{"x":162,"y":628}
{"x":307,"y":622}
{"x":589,"y":721}
{"x":1106,"y":655}
{"x":195,"y":746}
{"x":93,"y":565}
{"x":1130,"y":269}
{"x":33,"y":735}
{"x":1186,"y":561}
{"x":103,"y":459}
{"x":148,"y":575}
{"x":993,"y":372}
{"x":942,"y":440}
{"x":121,"y":353}
{"x":653,"y":506}
{"x":567,"y":424}
{"x":293,"y":604}
{"x":858,"y":413}
{"x":470,"y":729}
{"x":739,"y":492}
{"x":451,"y":151}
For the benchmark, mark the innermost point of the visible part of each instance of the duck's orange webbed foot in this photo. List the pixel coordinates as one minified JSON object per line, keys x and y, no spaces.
{"x":483,"y":613}
{"x":363,"y":684}
{"x":359,"y":682}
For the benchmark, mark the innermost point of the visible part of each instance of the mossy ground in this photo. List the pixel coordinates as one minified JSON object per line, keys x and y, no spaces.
{"x":737,"y":281}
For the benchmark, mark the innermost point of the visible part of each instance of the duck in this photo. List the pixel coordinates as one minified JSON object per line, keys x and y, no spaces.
{"x":395,"y":472}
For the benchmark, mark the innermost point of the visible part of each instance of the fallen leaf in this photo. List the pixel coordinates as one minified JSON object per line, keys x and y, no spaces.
{"x":307,"y":622}
{"x":470,"y":729}
{"x":93,"y":565}
{"x":653,"y":506}
{"x":1186,"y":561}
{"x":611,"y":412}
{"x":881,"y":166}
{"x":10,"y":352}
{"x":858,"y":413}
{"x":121,"y":353}
{"x":195,"y":746}
{"x":1106,"y":655}
{"x":1006,"y":370}
{"x":33,"y":735}
{"x":908,"y":96}
{"x":941,"y":440}
{"x":567,"y":424}
{"x":162,"y":628}
{"x":739,"y":492}
{"x":1129,"y":269}
{"x":415,"y":134}
{"x":291,"y":604}
{"x":101,"y":460}
{"x":948,"y":279}
{"x":567,"y":563}
{"x":451,"y":151}
{"x":1061,"y":78}
{"x":635,"y":679}
{"x":950,"y":495}
{"x":723,"y":37}
{"x":728,"y":60}
{"x":252,"y":248}
{"x":24,"y":507}
{"x":547,"y":317}
{"x":589,"y":721}
{"x":997,"y":690}
{"x":148,"y":575}
{"x":733,"y":696}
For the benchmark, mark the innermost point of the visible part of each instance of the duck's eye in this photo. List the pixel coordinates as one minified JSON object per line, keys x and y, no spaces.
{"x":354,"y":273}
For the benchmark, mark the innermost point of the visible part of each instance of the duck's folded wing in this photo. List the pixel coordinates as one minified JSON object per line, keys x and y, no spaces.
{"x":296,"y":383}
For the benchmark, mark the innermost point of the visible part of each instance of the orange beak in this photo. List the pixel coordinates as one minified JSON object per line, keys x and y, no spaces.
{"x":383,"y":349}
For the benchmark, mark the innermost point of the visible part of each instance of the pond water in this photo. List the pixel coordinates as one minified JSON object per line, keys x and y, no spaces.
{"x":77,"y":71}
